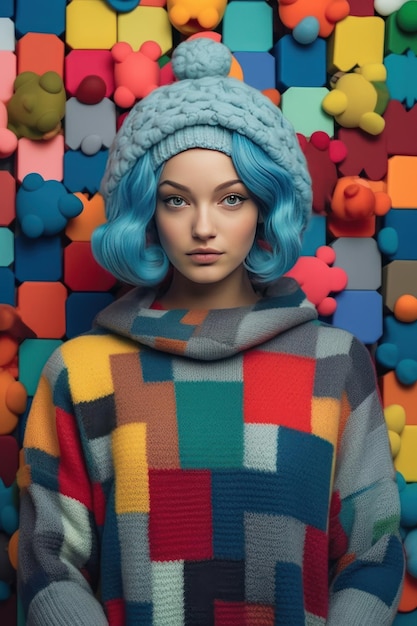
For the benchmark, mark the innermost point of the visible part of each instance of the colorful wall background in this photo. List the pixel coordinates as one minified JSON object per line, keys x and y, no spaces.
{"x":345,"y":74}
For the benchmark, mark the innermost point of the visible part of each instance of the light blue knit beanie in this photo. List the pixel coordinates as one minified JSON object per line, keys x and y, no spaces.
{"x":201,"y":110}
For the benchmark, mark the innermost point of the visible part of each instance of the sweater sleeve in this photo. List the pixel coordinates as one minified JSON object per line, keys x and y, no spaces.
{"x":369,"y":564}
{"x":58,"y":543}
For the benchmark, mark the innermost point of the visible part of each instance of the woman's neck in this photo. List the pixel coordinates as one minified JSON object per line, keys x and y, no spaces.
{"x":182,"y":294}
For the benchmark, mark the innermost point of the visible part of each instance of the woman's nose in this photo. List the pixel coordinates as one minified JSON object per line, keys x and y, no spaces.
{"x":203,"y":223}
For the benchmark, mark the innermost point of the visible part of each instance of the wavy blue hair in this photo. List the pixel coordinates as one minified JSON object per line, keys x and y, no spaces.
{"x":127,"y":243}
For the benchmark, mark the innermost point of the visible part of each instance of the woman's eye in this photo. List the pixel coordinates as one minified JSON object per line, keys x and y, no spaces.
{"x":233,"y":199}
{"x":175,"y":201}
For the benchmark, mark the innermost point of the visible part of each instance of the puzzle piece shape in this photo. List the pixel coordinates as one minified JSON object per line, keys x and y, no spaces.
{"x":8,"y":198}
{"x":368,"y":33}
{"x":40,"y":16}
{"x":8,"y":64}
{"x":309,"y":20}
{"x":400,"y":129}
{"x":361,"y":8}
{"x":37,"y":106}
{"x":322,"y":154}
{"x":145,"y":23}
{"x":393,"y":392}
{"x":44,"y":207}
{"x":7,"y":286}
{"x":314,"y":236}
{"x":399,"y":278}
{"x":398,"y":348}
{"x":361,"y":260}
{"x":9,"y":519}
{"x":354,"y":207}
{"x":33,"y":355}
{"x":90,"y":24}
{"x":366,"y":154}
{"x":192,"y":16}
{"x":42,"y":307}
{"x":401,"y":174}
{"x":38,"y":259}
{"x":248,"y":26}
{"x":401,"y":29}
{"x":123,"y":5}
{"x":8,"y":139}
{"x":395,"y":235}
{"x":300,"y":65}
{"x":12,"y":332}
{"x":13,"y":398}
{"x":386,"y":7}
{"x":44,"y":157}
{"x":81,"y":270}
{"x":318,"y":279}
{"x":406,"y":484}
{"x":90,"y":127}
{"x":401,"y":73}
{"x":80,"y":64}
{"x":80,"y":228}
{"x":9,"y":459}
{"x":136,"y":73}
{"x":360,"y":313}
{"x":82,"y":308}
{"x":84,"y":172}
{"x":359,"y":98}
{"x":395,"y":419}
{"x":302,"y":107}
{"x":40,"y":53}
{"x":7,"y":34}
{"x":6,"y":247}
{"x":258,"y":69}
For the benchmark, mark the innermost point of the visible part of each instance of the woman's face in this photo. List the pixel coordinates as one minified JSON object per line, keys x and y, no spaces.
{"x":205,"y":217}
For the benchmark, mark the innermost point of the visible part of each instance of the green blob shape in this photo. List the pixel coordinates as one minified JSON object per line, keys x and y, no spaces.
{"x":407,"y":17}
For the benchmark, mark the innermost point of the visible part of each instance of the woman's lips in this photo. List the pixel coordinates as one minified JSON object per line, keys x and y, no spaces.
{"x":205,"y":256}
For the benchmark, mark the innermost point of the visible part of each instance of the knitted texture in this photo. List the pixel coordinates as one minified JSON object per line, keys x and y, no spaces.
{"x":196,"y":110}
{"x":227,"y":491}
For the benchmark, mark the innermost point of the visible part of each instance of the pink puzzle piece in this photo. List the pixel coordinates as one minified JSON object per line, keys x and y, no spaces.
{"x":317,"y":279}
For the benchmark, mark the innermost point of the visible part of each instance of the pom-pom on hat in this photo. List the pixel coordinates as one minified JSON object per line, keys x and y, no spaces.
{"x":201,"y":110}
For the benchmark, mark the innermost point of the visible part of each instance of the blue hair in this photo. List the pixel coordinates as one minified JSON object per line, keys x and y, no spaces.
{"x":127,"y":244}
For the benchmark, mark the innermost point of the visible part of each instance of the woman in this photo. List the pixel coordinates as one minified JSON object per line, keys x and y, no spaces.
{"x":210,"y":453}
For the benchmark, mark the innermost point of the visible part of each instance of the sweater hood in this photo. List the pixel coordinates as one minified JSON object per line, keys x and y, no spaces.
{"x":207,"y":334}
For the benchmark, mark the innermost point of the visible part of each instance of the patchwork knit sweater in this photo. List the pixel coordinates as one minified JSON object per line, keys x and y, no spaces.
{"x":209,"y":468}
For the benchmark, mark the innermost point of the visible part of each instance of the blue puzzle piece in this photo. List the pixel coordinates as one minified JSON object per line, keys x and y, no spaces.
{"x":43,"y":207}
{"x":398,"y":349}
{"x":38,"y":259}
{"x":7,"y":8}
{"x":314,"y":235}
{"x":248,"y":26}
{"x":402,"y":77}
{"x":123,"y":6}
{"x":33,"y":355}
{"x":300,"y":65}
{"x":83,"y":173}
{"x":403,"y":222}
{"x":7,"y":287}
{"x":81,"y":309}
{"x":9,"y":520}
{"x":359,"y":312}
{"x":40,"y":16}
{"x":258,"y":69}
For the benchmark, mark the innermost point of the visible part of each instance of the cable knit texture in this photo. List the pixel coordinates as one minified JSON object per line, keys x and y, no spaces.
{"x":209,"y":468}
{"x":196,"y":110}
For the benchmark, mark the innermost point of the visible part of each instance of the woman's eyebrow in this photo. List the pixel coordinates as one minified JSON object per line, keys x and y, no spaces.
{"x":172,"y":183}
{"x":224,"y":185}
